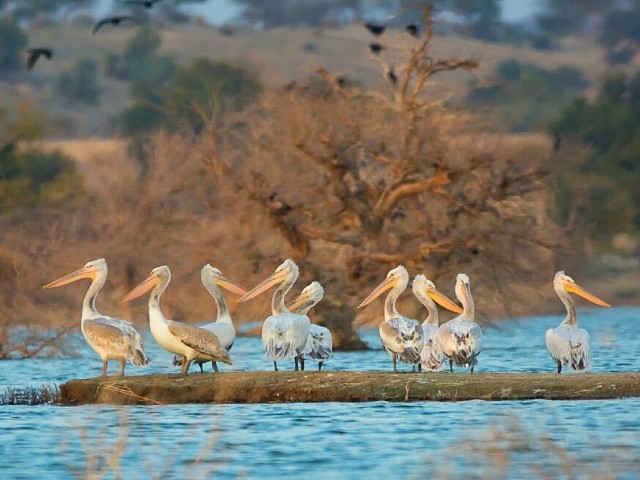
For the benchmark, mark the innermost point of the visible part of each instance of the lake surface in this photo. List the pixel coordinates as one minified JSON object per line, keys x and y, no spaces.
{"x":551,"y":439}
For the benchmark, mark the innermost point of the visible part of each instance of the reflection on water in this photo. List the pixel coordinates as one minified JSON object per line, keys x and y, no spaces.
{"x":587,"y":439}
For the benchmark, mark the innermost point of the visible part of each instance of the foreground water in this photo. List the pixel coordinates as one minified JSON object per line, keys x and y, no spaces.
{"x":587,"y":439}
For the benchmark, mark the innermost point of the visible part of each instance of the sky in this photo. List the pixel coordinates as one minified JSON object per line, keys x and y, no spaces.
{"x":222,"y":11}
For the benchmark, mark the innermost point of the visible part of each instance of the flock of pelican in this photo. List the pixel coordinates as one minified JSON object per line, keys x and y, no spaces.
{"x":289,"y":334}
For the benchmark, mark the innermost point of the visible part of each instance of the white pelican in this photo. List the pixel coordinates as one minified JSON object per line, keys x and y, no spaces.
{"x":461,"y":337}
{"x":567,"y":343}
{"x":284,"y":334}
{"x":178,"y":338}
{"x":223,"y":328}
{"x":431,"y":358}
{"x":402,"y":337}
{"x":319,"y":344}
{"x":111,"y":338}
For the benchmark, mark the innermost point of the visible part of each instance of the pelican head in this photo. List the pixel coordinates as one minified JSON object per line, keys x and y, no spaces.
{"x":564,"y":283}
{"x":310,"y":296}
{"x":287,"y":271}
{"x":423,"y":286}
{"x":463,"y":286}
{"x":211,"y":275}
{"x":91,"y":270}
{"x":396,"y":278}
{"x":159,"y":275}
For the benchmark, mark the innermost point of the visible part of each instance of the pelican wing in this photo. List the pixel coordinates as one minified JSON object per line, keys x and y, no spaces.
{"x":319,"y":344}
{"x":431,"y":358}
{"x":225,"y":333}
{"x":285,"y":335}
{"x":201,"y":340}
{"x":570,"y":346}
{"x":461,"y":341}
{"x":117,"y":337}
{"x":403,"y":337}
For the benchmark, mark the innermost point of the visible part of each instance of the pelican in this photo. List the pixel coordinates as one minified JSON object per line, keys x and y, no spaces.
{"x":402,"y":337}
{"x":111,"y":338}
{"x":284,"y":334}
{"x":319,"y":344}
{"x":223,"y":328}
{"x":567,"y":343}
{"x":178,"y":338}
{"x":431,"y":357}
{"x":461,"y":337}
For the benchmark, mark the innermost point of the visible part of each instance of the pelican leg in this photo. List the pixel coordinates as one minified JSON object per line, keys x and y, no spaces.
{"x":275,"y":366}
{"x":471,"y":368}
{"x":104,"y":368}
{"x":185,"y":366}
{"x":559,"y":366}
{"x":301,"y":363}
{"x":451,"y":365}
{"x":319,"y":366}
{"x":201,"y":369}
{"x":295,"y":361}
{"x":122,"y":363}
{"x":419,"y":367}
{"x":394,"y":363}
{"x":215,"y":367}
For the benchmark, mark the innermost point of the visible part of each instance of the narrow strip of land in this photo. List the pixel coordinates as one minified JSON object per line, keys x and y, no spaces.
{"x":280,"y":387}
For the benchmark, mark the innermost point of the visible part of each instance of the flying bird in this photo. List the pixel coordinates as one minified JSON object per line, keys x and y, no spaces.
{"x":412,"y":29}
{"x":375,"y":48}
{"x":36,"y":53}
{"x":115,"y":20}
{"x":143,"y":3}
{"x":374,"y":28}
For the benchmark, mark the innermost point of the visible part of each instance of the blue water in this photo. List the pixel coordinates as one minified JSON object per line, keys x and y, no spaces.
{"x":478,"y":439}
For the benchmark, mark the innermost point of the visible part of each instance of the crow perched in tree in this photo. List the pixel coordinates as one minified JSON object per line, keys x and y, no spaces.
{"x":36,"y":53}
{"x":144,"y":3}
{"x":375,"y":48}
{"x":115,"y":20}
{"x":374,"y":28}
{"x":412,"y":29}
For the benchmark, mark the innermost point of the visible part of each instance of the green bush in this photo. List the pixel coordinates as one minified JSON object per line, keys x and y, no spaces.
{"x":12,"y":41}
{"x":80,"y":83}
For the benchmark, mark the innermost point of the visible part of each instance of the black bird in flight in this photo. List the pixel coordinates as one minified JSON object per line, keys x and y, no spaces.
{"x":115,"y":20}
{"x":375,"y":48}
{"x":36,"y":53}
{"x":143,"y":3}
{"x":374,"y":28}
{"x":412,"y":29}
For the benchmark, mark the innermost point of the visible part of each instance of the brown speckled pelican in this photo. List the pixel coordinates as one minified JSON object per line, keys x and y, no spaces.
{"x":179,"y":338}
{"x":111,"y":338}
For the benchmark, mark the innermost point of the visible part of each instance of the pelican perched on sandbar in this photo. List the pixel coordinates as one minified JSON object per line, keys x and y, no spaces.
{"x":284,"y":334}
{"x":461,"y":337}
{"x":319,"y":344}
{"x":111,"y":338}
{"x":179,"y":338}
{"x":431,"y":358}
{"x":567,"y":343}
{"x":223,"y":328}
{"x":402,"y":337}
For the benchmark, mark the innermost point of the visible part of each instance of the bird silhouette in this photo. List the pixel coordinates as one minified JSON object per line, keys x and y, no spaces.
{"x":115,"y":20}
{"x":374,"y":28}
{"x":36,"y":53}
{"x":143,"y":3}
{"x":375,"y":48}
{"x":392,"y":77}
{"x":412,"y":29}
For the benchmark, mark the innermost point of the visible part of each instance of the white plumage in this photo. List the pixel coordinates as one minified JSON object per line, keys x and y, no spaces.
{"x":569,"y":344}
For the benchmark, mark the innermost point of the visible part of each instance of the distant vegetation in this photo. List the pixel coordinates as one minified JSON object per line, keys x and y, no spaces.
{"x":80,"y":82}
{"x":12,"y":42}
{"x":524,"y":97}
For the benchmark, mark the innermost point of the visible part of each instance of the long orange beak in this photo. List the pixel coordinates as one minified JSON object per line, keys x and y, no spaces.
{"x":274,"y":279}
{"x":230,"y":285}
{"x":573,"y":287}
{"x":298,"y":302}
{"x":386,"y":284}
{"x":444,"y":301}
{"x":83,"y":272}
{"x":150,"y":282}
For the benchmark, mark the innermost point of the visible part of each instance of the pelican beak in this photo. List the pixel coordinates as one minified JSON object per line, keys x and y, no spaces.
{"x":386,"y":284}
{"x":443,"y":301}
{"x":150,"y":282}
{"x":572,"y":287}
{"x":83,"y":272}
{"x":274,"y":279}
{"x":230,"y":285}
{"x":298,"y":302}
